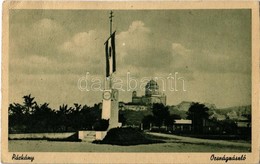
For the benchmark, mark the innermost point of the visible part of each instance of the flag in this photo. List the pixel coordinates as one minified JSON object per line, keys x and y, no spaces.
{"x":110,"y":55}
{"x":113,"y":51}
{"x":107,"y":60}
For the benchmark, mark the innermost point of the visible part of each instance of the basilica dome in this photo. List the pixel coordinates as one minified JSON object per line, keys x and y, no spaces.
{"x":151,"y":88}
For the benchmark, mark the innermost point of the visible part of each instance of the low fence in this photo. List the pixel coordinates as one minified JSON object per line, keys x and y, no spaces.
{"x":82,"y":135}
{"x":41,"y":135}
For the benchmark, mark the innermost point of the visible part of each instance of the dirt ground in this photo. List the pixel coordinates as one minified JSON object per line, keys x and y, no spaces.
{"x":173,"y":144}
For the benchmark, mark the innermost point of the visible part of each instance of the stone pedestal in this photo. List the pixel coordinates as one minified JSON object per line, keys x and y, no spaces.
{"x":110,"y":107}
{"x":100,"y":135}
{"x":87,"y":135}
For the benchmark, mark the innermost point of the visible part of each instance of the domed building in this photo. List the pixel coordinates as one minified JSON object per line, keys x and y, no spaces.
{"x":151,"y":88}
{"x":152,"y":95}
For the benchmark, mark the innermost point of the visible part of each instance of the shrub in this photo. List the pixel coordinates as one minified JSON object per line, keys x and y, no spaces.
{"x":126,"y":136}
{"x":101,"y":125}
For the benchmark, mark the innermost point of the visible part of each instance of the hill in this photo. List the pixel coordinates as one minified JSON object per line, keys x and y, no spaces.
{"x":233,"y":113}
{"x":182,"y":108}
{"x":236,"y":112}
{"x":185,"y":105}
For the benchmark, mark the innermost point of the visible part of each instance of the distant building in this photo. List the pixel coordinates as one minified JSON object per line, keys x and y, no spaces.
{"x":130,"y":106}
{"x":152,"y":95}
{"x":182,"y":126}
{"x":140,"y":103}
{"x":244,"y":127}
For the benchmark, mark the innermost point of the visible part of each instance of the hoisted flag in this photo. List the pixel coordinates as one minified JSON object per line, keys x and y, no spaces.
{"x":110,"y":55}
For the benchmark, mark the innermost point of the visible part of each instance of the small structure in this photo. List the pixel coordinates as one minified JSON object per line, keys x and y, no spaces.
{"x":132,"y":106}
{"x":244,"y":127}
{"x":182,"y":126}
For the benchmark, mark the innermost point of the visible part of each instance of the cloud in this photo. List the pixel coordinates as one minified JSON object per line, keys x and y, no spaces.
{"x":45,"y":47}
{"x":48,"y":51}
{"x":83,"y":44}
{"x":46,"y":25}
{"x":86,"y":49}
{"x":227,"y":62}
{"x":139,"y":48}
{"x":31,"y":64}
{"x":179,"y":49}
{"x":40,"y":37}
{"x":51,"y":88}
{"x":35,"y":64}
{"x":182,"y":56}
{"x":137,"y":37}
{"x":138,"y":26}
{"x":209,"y":61}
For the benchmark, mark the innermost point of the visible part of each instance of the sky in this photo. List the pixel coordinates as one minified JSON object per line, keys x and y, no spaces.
{"x":207,"y":52}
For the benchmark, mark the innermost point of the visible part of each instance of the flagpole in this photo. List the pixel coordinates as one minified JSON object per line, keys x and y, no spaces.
{"x":111,"y":26}
{"x":111,"y":19}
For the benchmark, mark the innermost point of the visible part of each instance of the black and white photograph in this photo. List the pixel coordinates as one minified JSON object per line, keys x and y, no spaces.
{"x":130,"y":81}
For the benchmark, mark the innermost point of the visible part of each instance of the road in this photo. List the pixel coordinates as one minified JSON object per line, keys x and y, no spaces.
{"x":200,"y":141}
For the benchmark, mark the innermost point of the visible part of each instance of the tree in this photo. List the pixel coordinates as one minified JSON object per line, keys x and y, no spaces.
{"x":171,"y":119}
{"x":89,"y":116}
{"x":29,"y":104}
{"x":42,"y":119}
{"x":147,"y":120}
{"x":228,"y":126}
{"x":76,"y":117}
{"x":133,"y":118}
{"x":17,"y":118}
{"x":122,"y":119}
{"x":63,"y":117}
{"x":19,"y":115}
{"x":31,"y":117}
{"x":198,"y":113}
{"x":160,"y":113}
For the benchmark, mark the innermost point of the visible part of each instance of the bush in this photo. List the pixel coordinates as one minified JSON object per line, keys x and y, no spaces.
{"x":101,"y":125}
{"x":126,"y":136}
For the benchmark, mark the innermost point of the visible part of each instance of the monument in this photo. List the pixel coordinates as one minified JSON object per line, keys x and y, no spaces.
{"x":110,"y":94}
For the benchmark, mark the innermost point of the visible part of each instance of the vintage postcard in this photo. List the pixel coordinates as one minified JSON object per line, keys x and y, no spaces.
{"x":130,"y":82}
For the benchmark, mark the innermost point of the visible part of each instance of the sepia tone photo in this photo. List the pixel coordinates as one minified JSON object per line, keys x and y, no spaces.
{"x":129,"y":83}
